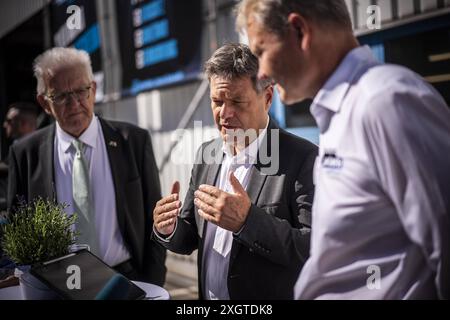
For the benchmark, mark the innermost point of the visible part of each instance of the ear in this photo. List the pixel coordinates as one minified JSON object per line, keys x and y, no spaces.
{"x":301,"y":30}
{"x":268,"y":95}
{"x":43,"y":102}
{"x":94,"y":87}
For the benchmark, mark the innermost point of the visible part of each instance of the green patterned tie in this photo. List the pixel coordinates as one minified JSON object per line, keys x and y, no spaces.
{"x":81,"y":199}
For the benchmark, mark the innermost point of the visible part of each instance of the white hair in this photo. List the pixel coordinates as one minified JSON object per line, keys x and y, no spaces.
{"x":51,"y":60}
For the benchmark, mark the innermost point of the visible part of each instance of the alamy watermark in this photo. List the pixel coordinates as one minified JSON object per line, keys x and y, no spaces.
{"x":74,"y":21}
{"x":74,"y":280}
{"x":374,"y":280}
{"x":267,"y":149}
{"x":374,"y":19}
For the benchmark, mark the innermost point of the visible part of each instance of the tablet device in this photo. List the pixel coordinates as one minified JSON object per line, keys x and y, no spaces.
{"x":95,"y":278}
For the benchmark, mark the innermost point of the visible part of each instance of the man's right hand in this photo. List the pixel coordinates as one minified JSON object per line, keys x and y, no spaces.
{"x":166,"y":212}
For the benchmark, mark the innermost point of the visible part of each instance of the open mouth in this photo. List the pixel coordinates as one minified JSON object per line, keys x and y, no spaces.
{"x":227,"y":127}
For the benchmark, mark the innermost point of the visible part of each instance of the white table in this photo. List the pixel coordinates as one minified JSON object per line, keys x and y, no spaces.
{"x":154,"y":292}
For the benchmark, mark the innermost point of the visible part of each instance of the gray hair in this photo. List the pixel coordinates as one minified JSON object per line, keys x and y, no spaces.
{"x":233,"y":61}
{"x":273,"y":14}
{"x":47,"y":63}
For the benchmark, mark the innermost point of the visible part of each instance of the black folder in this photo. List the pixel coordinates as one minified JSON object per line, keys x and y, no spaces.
{"x":95,"y":276}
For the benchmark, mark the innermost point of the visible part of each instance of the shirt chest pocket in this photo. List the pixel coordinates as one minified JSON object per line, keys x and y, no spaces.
{"x":348,"y":175}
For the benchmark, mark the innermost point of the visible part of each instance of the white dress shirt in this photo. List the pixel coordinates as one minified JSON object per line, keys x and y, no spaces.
{"x":380,"y":227}
{"x":112,"y":248}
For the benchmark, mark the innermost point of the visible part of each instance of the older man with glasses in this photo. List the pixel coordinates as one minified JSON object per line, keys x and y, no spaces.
{"x":104,"y":170}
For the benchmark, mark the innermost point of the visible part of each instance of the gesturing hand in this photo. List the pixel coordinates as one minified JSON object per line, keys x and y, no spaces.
{"x":228,"y":211}
{"x":166,"y":211}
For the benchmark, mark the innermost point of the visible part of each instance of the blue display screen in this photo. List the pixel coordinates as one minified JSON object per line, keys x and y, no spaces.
{"x":160,"y":42}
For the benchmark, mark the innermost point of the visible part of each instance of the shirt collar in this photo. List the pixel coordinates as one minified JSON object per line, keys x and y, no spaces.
{"x":250,"y":154}
{"x":332,"y":94}
{"x":89,"y":136}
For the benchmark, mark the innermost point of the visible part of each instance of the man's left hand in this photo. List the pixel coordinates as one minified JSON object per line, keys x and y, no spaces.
{"x":228,"y":211}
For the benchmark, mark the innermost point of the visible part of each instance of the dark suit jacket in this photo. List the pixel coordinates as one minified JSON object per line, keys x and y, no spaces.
{"x":267,"y":256}
{"x":136,"y":184}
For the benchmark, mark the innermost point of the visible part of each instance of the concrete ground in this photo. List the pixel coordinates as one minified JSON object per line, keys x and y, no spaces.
{"x":181,"y":278}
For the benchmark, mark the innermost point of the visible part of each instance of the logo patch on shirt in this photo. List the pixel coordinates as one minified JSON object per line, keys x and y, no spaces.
{"x":331,"y":161}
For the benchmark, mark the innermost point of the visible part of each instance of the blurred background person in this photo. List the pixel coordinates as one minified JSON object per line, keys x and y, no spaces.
{"x":21,"y":119}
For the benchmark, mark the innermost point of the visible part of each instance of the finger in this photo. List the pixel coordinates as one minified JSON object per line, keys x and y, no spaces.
{"x":168,"y":199}
{"x":206,"y":216}
{"x":171,"y":206}
{"x":212,"y":191}
{"x":162,"y":219}
{"x":175,"y":188}
{"x":167,"y":216}
{"x":205,"y":197}
{"x":167,"y":223}
{"x":168,"y":207}
{"x":235,"y":184}
{"x":206,"y":208}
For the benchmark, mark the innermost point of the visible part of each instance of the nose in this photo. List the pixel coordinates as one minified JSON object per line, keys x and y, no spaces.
{"x":72,"y":99}
{"x":226,"y":112}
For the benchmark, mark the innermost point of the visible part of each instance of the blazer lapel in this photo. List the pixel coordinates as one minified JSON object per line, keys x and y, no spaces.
{"x":115,"y":150}
{"x":257,"y":177}
{"x":211,"y":178}
{"x":213,"y":169}
{"x":47,"y":175}
{"x":255,"y":185}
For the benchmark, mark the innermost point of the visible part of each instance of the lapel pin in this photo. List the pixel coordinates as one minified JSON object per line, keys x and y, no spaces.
{"x":113,"y":144}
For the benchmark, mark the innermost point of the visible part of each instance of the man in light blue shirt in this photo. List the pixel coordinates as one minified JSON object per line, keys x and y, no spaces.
{"x":381,"y":207}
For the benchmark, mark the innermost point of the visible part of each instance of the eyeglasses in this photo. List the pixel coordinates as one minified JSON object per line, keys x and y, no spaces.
{"x":63,"y":98}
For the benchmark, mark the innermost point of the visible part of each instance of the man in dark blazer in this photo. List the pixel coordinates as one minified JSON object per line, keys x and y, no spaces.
{"x":66,"y":91}
{"x":250,"y":221}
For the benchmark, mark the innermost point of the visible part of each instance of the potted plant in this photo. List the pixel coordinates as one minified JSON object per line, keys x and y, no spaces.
{"x":37,"y":232}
